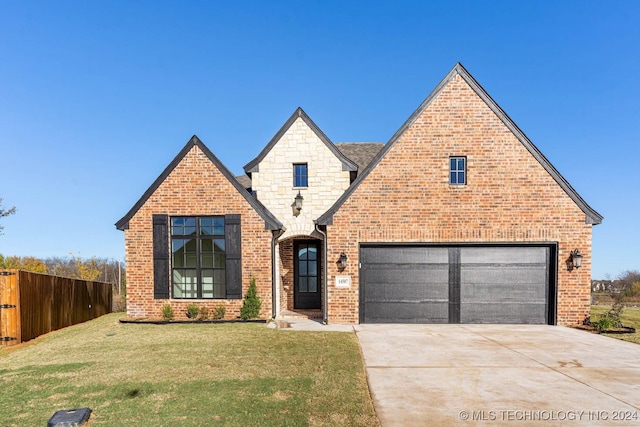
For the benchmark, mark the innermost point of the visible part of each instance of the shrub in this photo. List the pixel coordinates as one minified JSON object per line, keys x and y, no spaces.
{"x":604,"y":323}
{"x":204,"y":312}
{"x":252,"y":303}
{"x":192,"y":311}
{"x":219,"y":312}
{"x":611,"y":318}
{"x":167,"y":312}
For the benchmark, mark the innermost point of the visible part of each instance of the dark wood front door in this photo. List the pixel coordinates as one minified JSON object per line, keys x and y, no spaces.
{"x":306,"y":271}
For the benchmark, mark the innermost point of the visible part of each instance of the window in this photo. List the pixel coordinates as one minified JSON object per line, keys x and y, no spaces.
{"x":198,"y":257}
{"x":457,"y":170}
{"x":300,"y":175}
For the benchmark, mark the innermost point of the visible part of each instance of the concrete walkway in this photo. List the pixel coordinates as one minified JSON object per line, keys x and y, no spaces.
{"x":513,"y":375}
{"x":301,"y":324}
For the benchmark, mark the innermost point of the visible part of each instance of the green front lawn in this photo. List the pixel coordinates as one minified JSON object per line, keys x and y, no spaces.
{"x":630,"y":317}
{"x":186,"y":375}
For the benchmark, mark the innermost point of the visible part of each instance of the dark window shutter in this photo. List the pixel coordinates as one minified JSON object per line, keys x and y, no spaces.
{"x":160,"y":256}
{"x":233,"y":243}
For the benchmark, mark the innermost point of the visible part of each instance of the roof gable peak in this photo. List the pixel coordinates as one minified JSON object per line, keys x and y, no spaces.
{"x":591,"y":216}
{"x":253,"y":165}
{"x":271,"y":222}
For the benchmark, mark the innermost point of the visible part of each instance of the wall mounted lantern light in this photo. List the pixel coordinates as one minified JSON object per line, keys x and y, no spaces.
{"x":576,"y":258}
{"x":297,"y":204}
{"x":342,"y":262}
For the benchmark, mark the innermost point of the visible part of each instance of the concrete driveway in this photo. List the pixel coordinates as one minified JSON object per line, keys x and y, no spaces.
{"x":515,"y":375}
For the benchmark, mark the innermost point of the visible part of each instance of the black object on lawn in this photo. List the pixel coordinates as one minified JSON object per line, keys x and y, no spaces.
{"x":70,"y":418}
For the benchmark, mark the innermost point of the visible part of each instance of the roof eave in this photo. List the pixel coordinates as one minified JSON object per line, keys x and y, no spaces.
{"x":271,"y":222}
{"x":253,"y":165}
{"x":591,"y":216}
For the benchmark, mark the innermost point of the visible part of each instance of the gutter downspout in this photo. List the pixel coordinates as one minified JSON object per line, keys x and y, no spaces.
{"x":325,"y":270}
{"x":274,"y":281}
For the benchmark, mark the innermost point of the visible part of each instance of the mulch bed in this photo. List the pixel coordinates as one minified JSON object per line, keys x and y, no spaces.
{"x":187,"y":321}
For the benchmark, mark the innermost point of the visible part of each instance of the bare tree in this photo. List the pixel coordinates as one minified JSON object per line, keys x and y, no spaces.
{"x":629,"y":283}
{"x":5,"y":212}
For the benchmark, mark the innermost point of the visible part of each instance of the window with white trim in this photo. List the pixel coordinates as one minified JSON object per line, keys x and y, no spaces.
{"x":458,"y":170}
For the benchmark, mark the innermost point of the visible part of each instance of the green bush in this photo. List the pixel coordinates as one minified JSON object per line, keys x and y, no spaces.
{"x":603,"y":323}
{"x":204,"y":312}
{"x":611,"y":318}
{"x":192,"y":311}
{"x":167,"y":312}
{"x":251,"y":305}
{"x":219,"y":312}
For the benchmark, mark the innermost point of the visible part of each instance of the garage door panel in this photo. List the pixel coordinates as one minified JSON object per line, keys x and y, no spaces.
{"x":407,"y":292}
{"x":503,"y":285}
{"x":407,"y":312}
{"x":501,"y":312}
{"x":503,"y":255}
{"x":490,"y":292}
{"x":506,"y":275}
{"x":408,"y":255}
{"x":405,"y":285}
{"x":402,"y":276}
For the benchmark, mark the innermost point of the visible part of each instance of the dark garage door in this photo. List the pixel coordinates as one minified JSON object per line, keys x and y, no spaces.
{"x":455,"y":284}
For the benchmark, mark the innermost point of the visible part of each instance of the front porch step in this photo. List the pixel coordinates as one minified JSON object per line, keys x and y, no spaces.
{"x":300,"y":314}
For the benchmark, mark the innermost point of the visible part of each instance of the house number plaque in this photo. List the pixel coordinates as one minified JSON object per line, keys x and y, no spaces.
{"x":343,"y":281}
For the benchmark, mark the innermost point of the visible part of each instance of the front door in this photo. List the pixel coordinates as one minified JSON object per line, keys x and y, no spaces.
{"x":306,"y":272}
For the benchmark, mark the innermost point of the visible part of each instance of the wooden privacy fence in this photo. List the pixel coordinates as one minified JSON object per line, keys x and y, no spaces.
{"x":32,"y":304}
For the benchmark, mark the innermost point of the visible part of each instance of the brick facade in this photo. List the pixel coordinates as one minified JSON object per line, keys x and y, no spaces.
{"x":510,"y":197}
{"x":195,"y":187}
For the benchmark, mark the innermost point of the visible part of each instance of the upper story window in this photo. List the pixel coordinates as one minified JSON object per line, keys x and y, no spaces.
{"x":457,"y":170}
{"x":300,"y":176}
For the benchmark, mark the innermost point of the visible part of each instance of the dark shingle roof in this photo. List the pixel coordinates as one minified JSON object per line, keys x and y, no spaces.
{"x":244,"y":180}
{"x":360,"y":152}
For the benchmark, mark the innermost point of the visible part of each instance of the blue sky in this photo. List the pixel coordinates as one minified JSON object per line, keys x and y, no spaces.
{"x":96,"y":98}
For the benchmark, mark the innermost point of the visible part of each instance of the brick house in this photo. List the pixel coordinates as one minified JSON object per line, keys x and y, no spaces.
{"x":458,"y":218}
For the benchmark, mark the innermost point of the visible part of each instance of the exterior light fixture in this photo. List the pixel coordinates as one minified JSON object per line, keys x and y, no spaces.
{"x":576,"y":258}
{"x":342,"y":262}
{"x":297,"y":204}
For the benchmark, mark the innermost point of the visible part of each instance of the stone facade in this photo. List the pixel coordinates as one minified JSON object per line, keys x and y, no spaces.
{"x":273,"y":182}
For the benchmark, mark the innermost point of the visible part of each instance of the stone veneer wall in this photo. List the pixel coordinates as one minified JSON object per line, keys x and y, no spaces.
{"x":274,"y":180}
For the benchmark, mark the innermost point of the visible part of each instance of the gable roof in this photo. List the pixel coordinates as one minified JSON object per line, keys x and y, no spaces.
{"x":244,"y":180}
{"x":592,"y":217}
{"x":347,"y":165}
{"x":271,"y":222}
{"x":360,"y":152}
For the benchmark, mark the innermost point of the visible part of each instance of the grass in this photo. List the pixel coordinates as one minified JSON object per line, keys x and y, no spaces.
{"x":630,"y":317}
{"x":186,"y":375}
